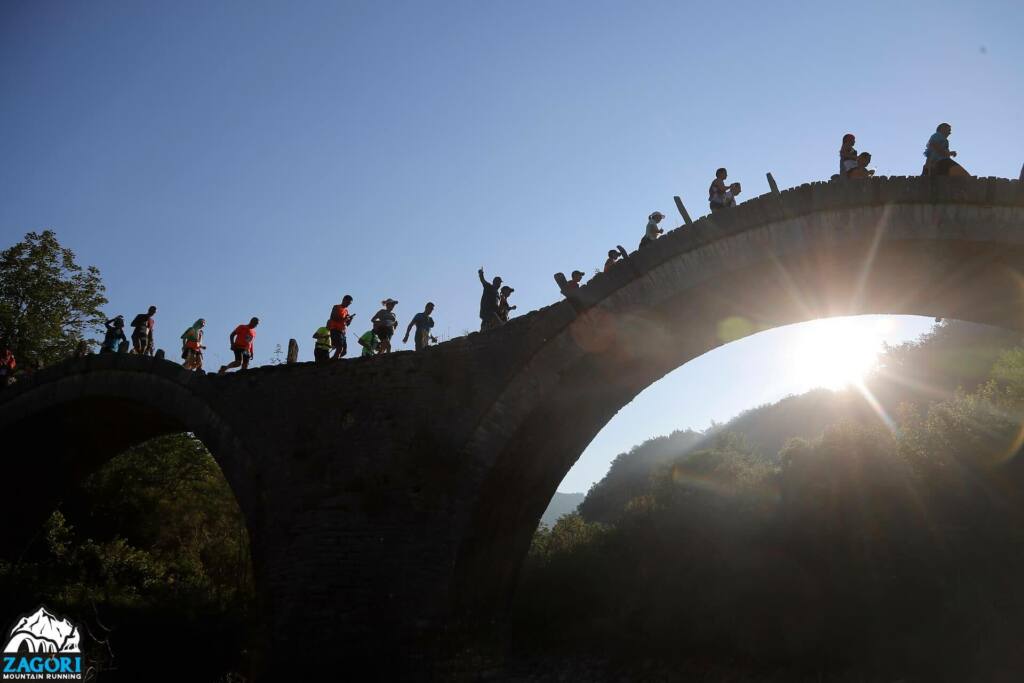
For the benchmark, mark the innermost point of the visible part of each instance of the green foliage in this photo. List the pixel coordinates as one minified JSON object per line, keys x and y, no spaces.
{"x":48,"y":303}
{"x":885,"y":549}
{"x":159,"y":552}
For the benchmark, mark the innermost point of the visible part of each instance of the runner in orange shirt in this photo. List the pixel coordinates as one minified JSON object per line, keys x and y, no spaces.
{"x":338,"y":323}
{"x":241,"y":345}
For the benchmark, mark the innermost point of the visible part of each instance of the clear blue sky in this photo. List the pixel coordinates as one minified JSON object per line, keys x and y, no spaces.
{"x":232,"y":159}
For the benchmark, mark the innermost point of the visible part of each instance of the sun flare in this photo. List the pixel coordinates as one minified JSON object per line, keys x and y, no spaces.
{"x":838,"y":352}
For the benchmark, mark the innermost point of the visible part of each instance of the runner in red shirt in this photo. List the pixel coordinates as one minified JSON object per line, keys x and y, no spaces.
{"x":338,"y":323}
{"x":241,"y":344}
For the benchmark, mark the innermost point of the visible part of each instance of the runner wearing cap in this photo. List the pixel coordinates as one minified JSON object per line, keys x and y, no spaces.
{"x":384,"y":323}
{"x":573,"y":285}
{"x":653,"y":230}
{"x":503,"y":306}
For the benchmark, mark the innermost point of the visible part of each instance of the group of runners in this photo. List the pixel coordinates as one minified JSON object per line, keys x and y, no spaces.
{"x":495,"y":308}
{"x":331,"y":336}
{"x":377,"y":339}
{"x":192,"y":347}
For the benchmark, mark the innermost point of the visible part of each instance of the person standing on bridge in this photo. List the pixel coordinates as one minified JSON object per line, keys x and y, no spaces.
{"x":652,"y":231}
{"x":424,"y":323}
{"x":142,"y":332}
{"x":385,"y":322}
{"x":338,"y":324}
{"x":241,"y":345}
{"x":489,"y":302}
{"x":192,"y":346}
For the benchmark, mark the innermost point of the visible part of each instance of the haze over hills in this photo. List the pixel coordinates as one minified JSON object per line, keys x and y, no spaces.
{"x":954,"y":355}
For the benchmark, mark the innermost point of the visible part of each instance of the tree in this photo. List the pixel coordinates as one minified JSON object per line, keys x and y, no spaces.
{"x":48,"y":303}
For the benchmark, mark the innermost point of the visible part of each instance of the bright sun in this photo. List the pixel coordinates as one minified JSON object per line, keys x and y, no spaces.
{"x":837,"y":352}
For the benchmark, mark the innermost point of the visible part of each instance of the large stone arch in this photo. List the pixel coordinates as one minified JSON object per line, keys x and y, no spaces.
{"x":937,"y":247}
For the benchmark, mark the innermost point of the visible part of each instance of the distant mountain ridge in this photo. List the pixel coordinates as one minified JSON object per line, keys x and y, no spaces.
{"x":561,"y":504}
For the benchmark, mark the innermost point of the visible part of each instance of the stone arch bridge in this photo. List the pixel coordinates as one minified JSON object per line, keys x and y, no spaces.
{"x":390,"y":498}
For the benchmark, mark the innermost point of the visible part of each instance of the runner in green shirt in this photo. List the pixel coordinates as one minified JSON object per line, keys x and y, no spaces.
{"x":370,"y":343}
{"x":322,"y":348}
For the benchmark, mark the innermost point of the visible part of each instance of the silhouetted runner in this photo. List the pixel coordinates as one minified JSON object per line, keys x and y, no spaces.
{"x":504,"y":308}
{"x":322,"y":345}
{"x":384,"y":324}
{"x":142,"y":332}
{"x":370,"y":343}
{"x":423,"y":323}
{"x":192,"y":346}
{"x":241,"y":345}
{"x":338,"y":323}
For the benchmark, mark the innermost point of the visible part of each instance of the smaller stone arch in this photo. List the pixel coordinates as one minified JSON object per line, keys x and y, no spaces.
{"x":68,"y":420}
